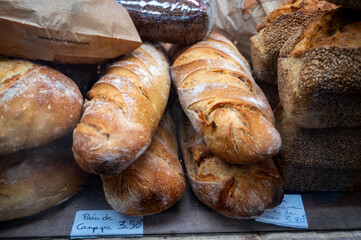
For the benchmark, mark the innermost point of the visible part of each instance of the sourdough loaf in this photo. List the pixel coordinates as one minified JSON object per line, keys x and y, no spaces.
{"x":37,"y":179}
{"x":123,"y":111}
{"x":154,"y":182}
{"x":325,"y":159}
{"x":280,"y":27}
{"x":319,"y":77}
{"x":224,"y":104}
{"x":37,"y":105}
{"x":236,"y":191}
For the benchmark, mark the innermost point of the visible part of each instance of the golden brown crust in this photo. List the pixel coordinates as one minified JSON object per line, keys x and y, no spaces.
{"x":224,"y":104}
{"x":154,"y":182}
{"x":36,"y":179}
{"x":37,"y":105}
{"x":318,"y":159}
{"x":320,"y":77}
{"x":279,"y":27}
{"x":123,"y":111}
{"x":236,"y":191}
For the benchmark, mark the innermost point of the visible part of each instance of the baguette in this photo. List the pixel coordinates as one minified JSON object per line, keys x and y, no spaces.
{"x":236,"y":191}
{"x":154,"y":182}
{"x":37,"y":105}
{"x":224,"y":104}
{"x":123,"y":112}
{"x":37,"y":179}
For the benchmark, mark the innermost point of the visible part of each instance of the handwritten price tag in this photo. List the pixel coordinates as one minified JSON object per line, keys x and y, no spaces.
{"x":92,"y":223}
{"x":290,"y":213}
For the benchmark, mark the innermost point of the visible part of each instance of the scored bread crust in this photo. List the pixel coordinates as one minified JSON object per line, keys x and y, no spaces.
{"x":320,"y":76}
{"x":154,"y":182}
{"x":37,"y":179}
{"x":277,"y":28}
{"x":224,"y":104}
{"x":123,"y":111}
{"x":236,"y":191}
{"x":37,"y":105}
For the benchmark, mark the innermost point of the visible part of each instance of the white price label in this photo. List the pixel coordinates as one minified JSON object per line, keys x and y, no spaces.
{"x":93,"y":223}
{"x":290,"y":213}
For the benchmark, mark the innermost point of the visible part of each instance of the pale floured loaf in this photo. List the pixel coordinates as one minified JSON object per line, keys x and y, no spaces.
{"x":154,"y":182}
{"x":37,"y":105}
{"x":37,"y":179}
{"x":123,"y":111}
{"x":222,"y":101}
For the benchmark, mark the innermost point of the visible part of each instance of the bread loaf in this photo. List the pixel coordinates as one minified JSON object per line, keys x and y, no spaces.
{"x":326,"y":159}
{"x":236,"y":191}
{"x":224,"y":104}
{"x":123,"y":111}
{"x":37,"y":105}
{"x":319,"y":76}
{"x":280,"y":27}
{"x":154,"y":182}
{"x":37,"y":179}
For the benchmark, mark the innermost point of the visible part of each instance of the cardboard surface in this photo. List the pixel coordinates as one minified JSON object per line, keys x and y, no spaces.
{"x":325,"y":211}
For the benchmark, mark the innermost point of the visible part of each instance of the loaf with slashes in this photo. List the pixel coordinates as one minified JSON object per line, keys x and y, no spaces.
{"x":223,"y":102}
{"x":123,"y":111}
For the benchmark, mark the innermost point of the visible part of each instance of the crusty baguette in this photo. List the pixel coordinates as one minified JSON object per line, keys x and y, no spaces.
{"x":37,"y":105}
{"x":319,"y":77}
{"x":280,"y":27}
{"x":123,"y":112}
{"x":37,"y":179}
{"x":154,"y":182}
{"x":224,"y":104}
{"x":322,"y":159}
{"x":236,"y":191}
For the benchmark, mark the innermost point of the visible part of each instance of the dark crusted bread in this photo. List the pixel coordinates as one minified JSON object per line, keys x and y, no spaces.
{"x":356,"y":4}
{"x":319,"y":76}
{"x":154,"y":182}
{"x":36,"y":179}
{"x":277,"y":28}
{"x":318,"y":159}
{"x":236,"y":191}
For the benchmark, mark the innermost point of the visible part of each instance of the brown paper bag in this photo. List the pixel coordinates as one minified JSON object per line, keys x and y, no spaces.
{"x":78,"y":31}
{"x":238,"y":19}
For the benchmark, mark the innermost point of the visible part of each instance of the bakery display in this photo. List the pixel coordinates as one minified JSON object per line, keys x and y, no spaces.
{"x":37,"y":179}
{"x":172,"y":21}
{"x":319,"y":77}
{"x":222,"y":101}
{"x":37,"y":105}
{"x":318,"y":159}
{"x":154,"y":182}
{"x":276,"y":29}
{"x":236,"y":191}
{"x":123,"y":111}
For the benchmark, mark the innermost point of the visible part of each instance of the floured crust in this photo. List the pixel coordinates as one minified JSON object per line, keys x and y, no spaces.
{"x":236,"y":191}
{"x":279,"y":27}
{"x":224,"y":104}
{"x":123,"y":111}
{"x":37,"y":105}
{"x":154,"y":182}
{"x":34,"y":180}
{"x":318,"y":159}
{"x":320,"y":76}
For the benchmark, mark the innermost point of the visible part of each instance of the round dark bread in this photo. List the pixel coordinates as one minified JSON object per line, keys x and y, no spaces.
{"x":37,"y":105}
{"x":37,"y":179}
